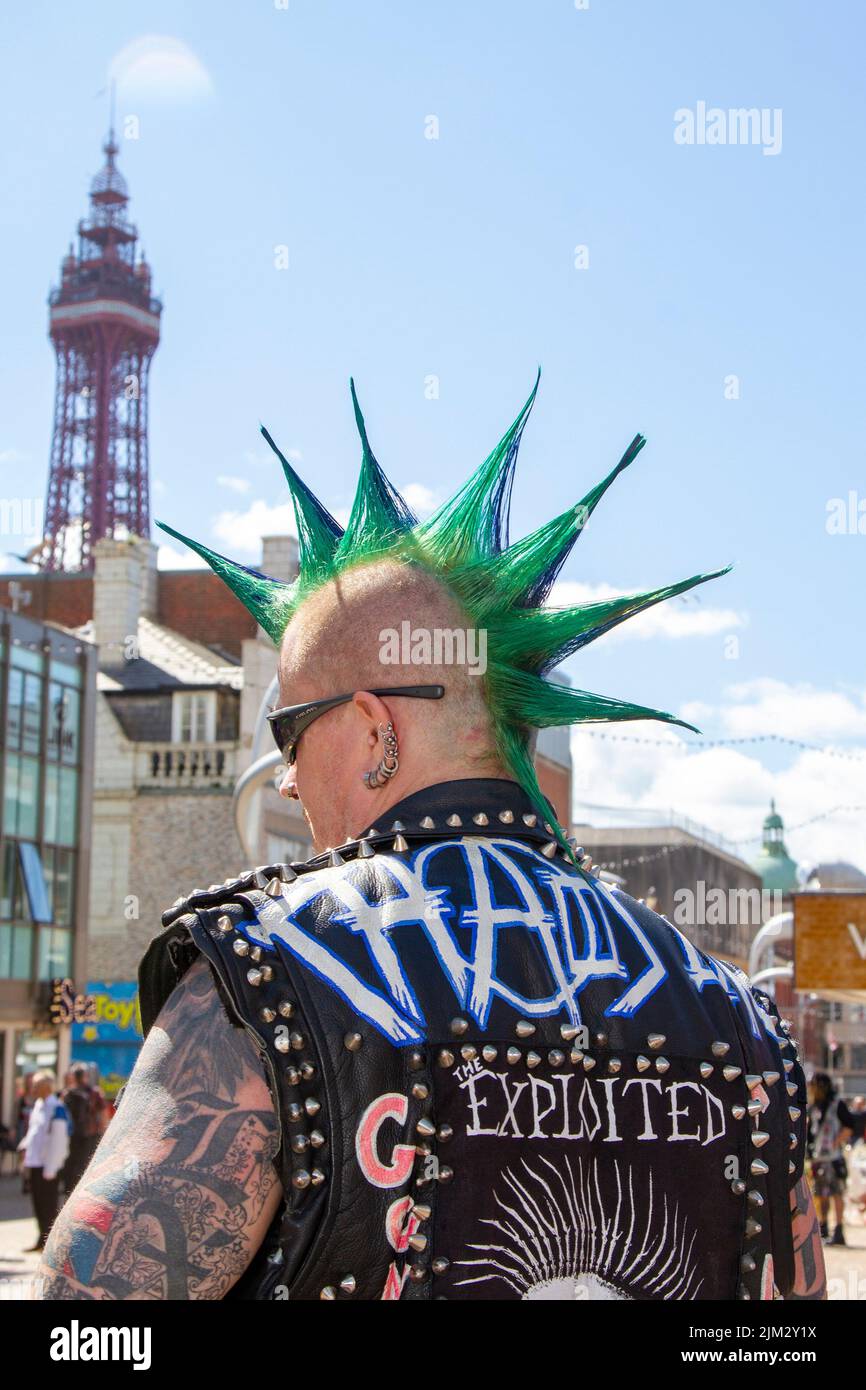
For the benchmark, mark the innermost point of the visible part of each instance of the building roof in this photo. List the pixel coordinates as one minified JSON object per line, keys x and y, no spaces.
{"x":837,"y":877}
{"x":168,"y":660}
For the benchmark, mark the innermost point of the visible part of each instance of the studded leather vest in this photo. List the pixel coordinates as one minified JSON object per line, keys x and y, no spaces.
{"x":497,"y":1077}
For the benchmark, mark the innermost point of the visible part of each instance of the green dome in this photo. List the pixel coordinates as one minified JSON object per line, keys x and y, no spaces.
{"x":777,"y":869}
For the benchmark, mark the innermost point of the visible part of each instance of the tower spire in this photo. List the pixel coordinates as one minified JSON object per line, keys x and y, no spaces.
{"x":104,"y":324}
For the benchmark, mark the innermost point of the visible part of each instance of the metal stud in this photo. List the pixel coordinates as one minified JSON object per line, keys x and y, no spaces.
{"x":422,"y":1211}
{"x":297,"y":1041}
{"x":281,"y":1042}
{"x":399,"y":845}
{"x":643,"y":1063}
{"x":428,"y":823}
{"x":794,"y":1112}
{"x":614,"y":1064}
{"x":352,"y":1041}
{"x":348,"y":1284}
{"x":445,"y":1173}
{"x":662,"y":1064}
{"x":418,"y":1242}
{"x":416,"y":1061}
{"x":365,"y":849}
{"x":293,"y":1076}
{"x":444,"y":1133}
{"x":312,"y":1106}
{"x":791,"y":1088}
{"x":771,"y":1077}
{"x":730,"y":1073}
{"x":738,"y":1187}
{"x":720,"y":1049}
{"x":308,"y":1071}
{"x":286,"y":874}
{"x":788,"y":1065}
{"x":224,"y":923}
{"x":759,"y":1138}
{"x":241,"y":947}
{"x":256,"y":954}
{"x":300,"y":1143}
{"x":588,"y":1063}
{"x":488,"y":1053}
{"x":417,"y":1273}
{"x":274,"y":888}
{"x":254,"y":976}
{"x":398,"y":826}
{"x":600,"y":1039}
{"x":440,"y":1264}
{"x":459,"y":1026}
{"x":425,"y":1127}
{"x":301,"y":1178}
{"x":575,"y":1056}
{"x":738,"y":1111}
{"x":555,"y":1057}
{"x":756,"y":1198}
{"x":524,"y":1029}
{"x":758,"y":1168}
{"x":568,"y":1031}
{"x":747,"y":1263}
{"x":453,"y":820}
{"x":267,"y":972}
{"x":752,"y":1081}
{"x":481,"y":819}
{"x":706,"y":1069}
{"x":295,"y":1112}
{"x":529,"y":819}
{"x":655,"y":1041}
{"x":507,"y":817}
{"x":267,"y":1015}
{"x":317,"y":1138}
{"x":317,"y":1177}
{"x":533,"y":1059}
{"x":420,"y":1091}
{"x":446,"y":1058}
{"x":468,"y":1052}
{"x":549,"y":850}
{"x":329,"y":1293}
{"x":792,"y":1167}
{"x":513,"y":1056}
{"x":261,"y":879}
{"x":286,"y":1008}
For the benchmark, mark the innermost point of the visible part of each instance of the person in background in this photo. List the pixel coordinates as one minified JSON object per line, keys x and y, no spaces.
{"x":85,"y":1105}
{"x":45,"y":1147}
{"x":828,"y":1134}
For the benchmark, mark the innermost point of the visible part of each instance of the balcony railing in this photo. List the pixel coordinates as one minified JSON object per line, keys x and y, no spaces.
{"x":185,"y":765}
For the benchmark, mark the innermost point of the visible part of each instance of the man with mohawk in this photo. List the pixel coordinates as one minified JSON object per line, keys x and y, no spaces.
{"x":440,"y":1059}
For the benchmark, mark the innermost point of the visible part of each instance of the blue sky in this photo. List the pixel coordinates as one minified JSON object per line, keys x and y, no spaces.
{"x":454,"y":257}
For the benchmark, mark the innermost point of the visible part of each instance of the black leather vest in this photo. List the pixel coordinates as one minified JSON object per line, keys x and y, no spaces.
{"x":497,"y":1077}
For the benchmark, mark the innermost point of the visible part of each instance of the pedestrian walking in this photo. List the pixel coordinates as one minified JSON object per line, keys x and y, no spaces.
{"x":45,"y":1147}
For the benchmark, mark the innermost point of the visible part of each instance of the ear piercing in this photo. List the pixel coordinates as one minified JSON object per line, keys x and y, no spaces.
{"x":388,"y":763}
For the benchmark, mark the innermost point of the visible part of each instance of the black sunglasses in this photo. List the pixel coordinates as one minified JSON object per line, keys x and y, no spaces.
{"x":289,"y":723}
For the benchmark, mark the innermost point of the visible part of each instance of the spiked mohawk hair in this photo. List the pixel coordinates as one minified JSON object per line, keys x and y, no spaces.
{"x":501,"y":586}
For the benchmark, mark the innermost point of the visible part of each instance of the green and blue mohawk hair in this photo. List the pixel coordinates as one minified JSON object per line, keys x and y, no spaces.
{"x":502,"y":586}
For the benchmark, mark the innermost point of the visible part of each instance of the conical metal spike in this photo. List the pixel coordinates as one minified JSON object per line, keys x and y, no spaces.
{"x":428,"y":823}
{"x":274,"y":888}
{"x":549,"y":850}
{"x":365,"y":849}
{"x":399,"y":846}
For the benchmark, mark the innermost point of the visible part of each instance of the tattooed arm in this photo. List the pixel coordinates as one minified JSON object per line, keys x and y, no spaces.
{"x":810,"y":1280}
{"x":182,"y":1188}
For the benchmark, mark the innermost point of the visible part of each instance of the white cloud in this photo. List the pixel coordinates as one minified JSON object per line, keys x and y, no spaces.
{"x":242,"y":531}
{"x":156,"y":65}
{"x":12,"y":456}
{"x":167,"y":558}
{"x":158,"y":487}
{"x":683,"y":616}
{"x":233,"y":484}
{"x":423,"y":500}
{"x":769,"y":706}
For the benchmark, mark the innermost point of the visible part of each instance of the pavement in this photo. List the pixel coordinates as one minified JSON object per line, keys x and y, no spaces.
{"x":846,"y":1265}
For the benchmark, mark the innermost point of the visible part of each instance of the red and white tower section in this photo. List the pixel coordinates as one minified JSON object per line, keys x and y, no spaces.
{"x":104,"y":324}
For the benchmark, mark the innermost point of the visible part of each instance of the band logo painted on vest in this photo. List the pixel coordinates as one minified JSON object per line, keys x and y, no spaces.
{"x":580,"y":928}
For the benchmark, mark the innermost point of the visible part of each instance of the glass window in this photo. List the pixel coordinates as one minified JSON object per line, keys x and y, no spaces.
{"x":67,"y":811}
{"x":22,"y":946}
{"x":5,"y":950}
{"x":59,"y":866}
{"x":63,"y":723}
{"x":62,"y":671}
{"x":33,"y":873}
{"x":26,"y":659}
{"x":20,"y":797}
{"x":31,"y":723}
{"x":55,"y":953}
{"x":194,"y":717}
{"x":13,"y":711}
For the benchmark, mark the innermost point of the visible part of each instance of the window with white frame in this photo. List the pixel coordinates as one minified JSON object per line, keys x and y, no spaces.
{"x":193,"y":716}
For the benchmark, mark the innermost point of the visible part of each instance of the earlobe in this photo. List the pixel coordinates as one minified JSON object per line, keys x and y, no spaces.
{"x":388,"y":764}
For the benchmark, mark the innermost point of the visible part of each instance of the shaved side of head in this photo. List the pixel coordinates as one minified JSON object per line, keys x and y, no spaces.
{"x":338,"y":640}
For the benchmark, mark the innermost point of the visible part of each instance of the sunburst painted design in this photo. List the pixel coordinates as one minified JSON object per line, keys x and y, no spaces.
{"x":557,"y":1241}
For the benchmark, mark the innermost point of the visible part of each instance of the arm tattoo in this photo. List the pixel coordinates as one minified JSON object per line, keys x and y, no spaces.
{"x":810,"y":1281}
{"x":182,"y":1187}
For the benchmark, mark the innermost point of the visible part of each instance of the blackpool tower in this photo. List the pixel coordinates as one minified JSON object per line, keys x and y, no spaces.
{"x":104,"y":324}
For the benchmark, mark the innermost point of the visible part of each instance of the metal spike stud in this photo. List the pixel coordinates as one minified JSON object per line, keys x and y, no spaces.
{"x":730,"y":1073}
{"x":507,"y":817}
{"x":365,"y":849}
{"x":481,"y":819}
{"x":224,"y":923}
{"x":425,"y":1127}
{"x":267,"y":1015}
{"x":533,"y":1059}
{"x":488,"y":1053}
{"x":662,"y":1064}
{"x":286,"y":874}
{"x":281,"y":1042}
{"x":771,"y":1077}
{"x":706,"y":1069}
{"x":614,"y":1064}
{"x":513,"y":1056}
{"x":555,"y":1057}
{"x":453,"y":820}
{"x":428,"y":823}
{"x":720,"y":1049}
{"x":524,"y":1029}
{"x":274,"y":888}
{"x":738,"y":1111}
{"x":759,"y":1138}
{"x":241,"y":947}
{"x":529,"y":819}
{"x":459,"y":1026}
{"x":549,"y":850}
{"x":286,"y":1008}
{"x":446,"y":1058}
{"x":399,"y":845}
{"x":758,"y":1168}
{"x":301,"y":1178}
{"x":254,"y":976}
{"x":568,"y":1031}
{"x":328,"y":1294}
{"x":588,"y":1063}
{"x":348,"y":1284}
{"x":643,"y":1063}
{"x":655,"y":1041}
{"x":352,"y":1041}
{"x":420,"y":1091}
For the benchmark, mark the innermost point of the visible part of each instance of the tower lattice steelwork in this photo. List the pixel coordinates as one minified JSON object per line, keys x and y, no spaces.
{"x":104,"y":324}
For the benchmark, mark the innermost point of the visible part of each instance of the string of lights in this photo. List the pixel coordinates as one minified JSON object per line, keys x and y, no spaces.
{"x":685,"y":745}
